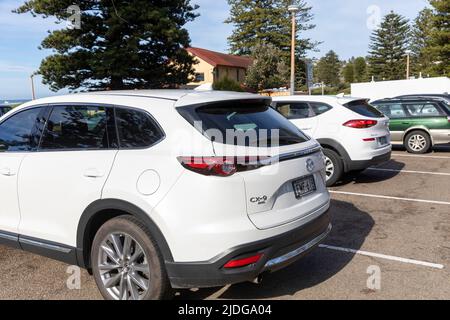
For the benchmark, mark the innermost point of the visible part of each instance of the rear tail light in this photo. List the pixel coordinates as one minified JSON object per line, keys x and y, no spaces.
{"x":369,"y":140}
{"x":448,"y":118}
{"x":222,"y":166}
{"x":361,"y":124}
{"x":239,"y":263}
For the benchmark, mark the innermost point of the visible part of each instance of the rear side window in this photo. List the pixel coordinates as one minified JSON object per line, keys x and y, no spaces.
{"x":294,"y":110}
{"x":16,"y":132}
{"x":363,"y":108}
{"x":423,"y":110}
{"x":320,"y":108}
{"x":76,"y":128}
{"x":137,"y":129}
{"x":254,"y":120}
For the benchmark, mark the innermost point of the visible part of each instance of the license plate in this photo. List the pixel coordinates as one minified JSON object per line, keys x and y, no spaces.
{"x":382,"y":141}
{"x":304,"y":186}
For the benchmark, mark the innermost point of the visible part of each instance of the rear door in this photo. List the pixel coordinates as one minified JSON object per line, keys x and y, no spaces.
{"x":300,"y":114}
{"x":68,"y":171}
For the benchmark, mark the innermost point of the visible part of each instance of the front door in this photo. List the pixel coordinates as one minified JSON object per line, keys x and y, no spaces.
{"x":300,"y":114}
{"x":16,"y":140}
{"x":67,"y":173}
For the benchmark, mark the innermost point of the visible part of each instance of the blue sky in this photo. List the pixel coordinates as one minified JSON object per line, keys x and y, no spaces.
{"x":342,"y":25}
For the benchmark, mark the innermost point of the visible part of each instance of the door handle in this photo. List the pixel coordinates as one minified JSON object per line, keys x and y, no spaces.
{"x":6,"y":172}
{"x":93,"y":173}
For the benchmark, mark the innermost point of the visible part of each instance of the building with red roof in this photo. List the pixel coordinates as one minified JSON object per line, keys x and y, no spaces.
{"x":215,"y":66}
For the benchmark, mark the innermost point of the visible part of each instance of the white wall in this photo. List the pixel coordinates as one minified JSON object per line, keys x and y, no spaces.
{"x":390,"y":89}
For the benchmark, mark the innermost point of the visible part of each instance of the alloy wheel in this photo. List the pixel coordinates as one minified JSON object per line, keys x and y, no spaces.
{"x":417,"y":142}
{"x":329,"y":168}
{"x":123,"y":267}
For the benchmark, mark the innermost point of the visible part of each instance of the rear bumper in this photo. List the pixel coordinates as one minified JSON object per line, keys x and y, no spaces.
{"x":278,"y":252}
{"x":364,"y":164}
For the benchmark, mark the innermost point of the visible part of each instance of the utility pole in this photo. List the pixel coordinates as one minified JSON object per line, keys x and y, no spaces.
{"x":33,"y":94}
{"x":293,"y":9}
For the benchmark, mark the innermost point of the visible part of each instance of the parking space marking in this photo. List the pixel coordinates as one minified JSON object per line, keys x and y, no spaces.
{"x":409,"y":171}
{"x":385,"y":257}
{"x":390,"y":198}
{"x":418,"y":156}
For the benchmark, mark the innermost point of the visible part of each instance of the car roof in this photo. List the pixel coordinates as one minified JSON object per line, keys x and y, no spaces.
{"x":178,"y":97}
{"x":324,"y":99}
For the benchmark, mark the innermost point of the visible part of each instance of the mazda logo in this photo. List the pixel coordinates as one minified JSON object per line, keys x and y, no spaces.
{"x":310,"y":166}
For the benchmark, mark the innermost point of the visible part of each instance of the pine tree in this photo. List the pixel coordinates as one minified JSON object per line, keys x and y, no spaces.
{"x":348,"y":72}
{"x":328,"y":69}
{"x":121,"y":44}
{"x":269,"y":70}
{"x":439,"y":48}
{"x":387,"y":55}
{"x":360,"y":67}
{"x":421,"y":40}
{"x":267,"y":21}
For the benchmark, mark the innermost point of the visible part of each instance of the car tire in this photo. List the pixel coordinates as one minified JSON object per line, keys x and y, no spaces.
{"x":127,"y":263}
{"x":418,"y":142}
{"x":334,"y":167}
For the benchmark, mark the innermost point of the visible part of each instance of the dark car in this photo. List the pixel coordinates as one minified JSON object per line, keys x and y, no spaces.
{"x":441,"y":97}
{"x":4,"y":110}
{"x":417,"y":123}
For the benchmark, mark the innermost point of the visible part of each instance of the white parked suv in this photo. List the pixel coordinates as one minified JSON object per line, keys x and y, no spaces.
{"x":138,"y":188}
{"x":353,"y":133}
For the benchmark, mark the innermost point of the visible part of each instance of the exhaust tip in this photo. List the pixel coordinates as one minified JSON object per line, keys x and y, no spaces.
{"x":258,"y":279}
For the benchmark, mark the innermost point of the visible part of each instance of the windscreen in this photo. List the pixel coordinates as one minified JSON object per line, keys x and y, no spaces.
{"x":243,"y":123}
{"x":362,"y":107}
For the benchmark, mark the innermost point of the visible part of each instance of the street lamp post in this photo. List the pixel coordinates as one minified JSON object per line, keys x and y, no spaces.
{"x":33,"y":94}
{"x":293,"y":9}
{"x":408,"y":62}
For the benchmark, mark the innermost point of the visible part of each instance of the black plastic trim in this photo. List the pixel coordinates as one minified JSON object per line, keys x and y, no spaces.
{"x":361,"y":165}
{"x":211,"y":273}
{"x":9,"y":239}
{"x":52,"y":250}
{"x":340,"y":149}
{"x":105,"y":205}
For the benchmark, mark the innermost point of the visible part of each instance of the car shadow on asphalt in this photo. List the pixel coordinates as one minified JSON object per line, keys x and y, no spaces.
{"x":351,"y":226}
{"x":373,"y":176}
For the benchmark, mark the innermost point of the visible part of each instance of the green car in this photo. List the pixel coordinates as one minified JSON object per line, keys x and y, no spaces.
{"x":417,"y":123}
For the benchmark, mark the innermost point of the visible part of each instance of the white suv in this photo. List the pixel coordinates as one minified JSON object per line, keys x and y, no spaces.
{"x":354,"y":135}
{"x":138,"y":188}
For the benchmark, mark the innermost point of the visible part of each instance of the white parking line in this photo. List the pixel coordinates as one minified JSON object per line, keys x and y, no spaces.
{"x":390,"y":198}
{"x":382,"y":256}
{"x":418,"y":156}
{"x":409,"y":171}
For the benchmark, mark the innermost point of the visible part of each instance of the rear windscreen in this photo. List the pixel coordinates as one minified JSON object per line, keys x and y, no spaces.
{"x":243,"y":123}
{"x":362,"y":107}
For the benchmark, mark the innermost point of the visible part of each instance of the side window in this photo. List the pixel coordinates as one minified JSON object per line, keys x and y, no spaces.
{"x":423,"y":110}
{"x":396,"y":111}
{"x":294,"y":110}
{"x":76,"y":128}
{"x":136,"y":129}
{"x":16,"y":132}
{"x":320,"y":108}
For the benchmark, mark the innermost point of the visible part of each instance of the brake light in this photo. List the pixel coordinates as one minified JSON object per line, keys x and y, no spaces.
{"x":369,"y":140}
{"x":448,"y":118}
{"x":239,"y":263}
{"x":222,"y":166}
{"x":360,"y":124}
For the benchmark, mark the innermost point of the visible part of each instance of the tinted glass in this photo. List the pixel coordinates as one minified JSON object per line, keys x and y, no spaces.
{"x":294,"y":110}
{"x":255,"y":120}
{"x":136,"y":129}
{"x":363,"y":108}
{"x":423,"y":110}
{"x":16,"y":132}
{"x":320,"y":108}
{"x":76,"y":128}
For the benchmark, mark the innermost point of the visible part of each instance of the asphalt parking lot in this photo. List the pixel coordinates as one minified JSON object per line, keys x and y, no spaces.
{"x":394,"y":219}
